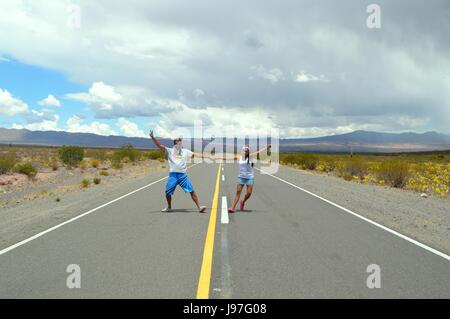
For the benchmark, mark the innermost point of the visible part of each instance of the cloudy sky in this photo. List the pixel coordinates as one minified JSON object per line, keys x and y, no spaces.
{"x":309,"y":68}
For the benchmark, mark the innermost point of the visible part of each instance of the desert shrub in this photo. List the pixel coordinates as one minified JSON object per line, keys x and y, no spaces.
{"x":309,"y":161}
{"x":117,"y":164}
{"x":290,"y":159}
{"x":154,"y":155}
{"x":104,"y":173}
{"x":347,"y":176}
{"x":54,"y":165}
{"x":85,"y":182}
{"x":95,"y":163}
{"x":394,"y":173}
{"x":305,"y":161}
{"x":71,"y":155}
{"x":83,"y":164}
{"x":328,"y":164}
{"x":7,"y":162}
{"x":26,"y":169}
{"x":126,"y":159}
{"x":97,"y":180}
{"x":99,"y":155}
{"x":124,"y":152}
{"x":355,"y":167}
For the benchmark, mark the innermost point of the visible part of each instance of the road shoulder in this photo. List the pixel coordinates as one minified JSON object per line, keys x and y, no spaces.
{"x":423,"y":219}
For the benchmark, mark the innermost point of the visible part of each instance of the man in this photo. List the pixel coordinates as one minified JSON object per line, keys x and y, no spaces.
{"x":177,"y":158}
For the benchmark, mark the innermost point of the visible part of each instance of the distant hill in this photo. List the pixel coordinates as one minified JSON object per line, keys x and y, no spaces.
{"x":57,"y":138}
{"x":366,"y":137}
{"x":357,"y":141}
{"x":366,"y":141}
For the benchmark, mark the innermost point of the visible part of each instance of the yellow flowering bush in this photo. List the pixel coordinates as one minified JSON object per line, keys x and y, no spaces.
{"x":430,"y":178}
{"x":425,"y":173}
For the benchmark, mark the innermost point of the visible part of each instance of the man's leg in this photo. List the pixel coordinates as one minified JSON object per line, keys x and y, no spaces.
{"x":186,"y":185}
{"x":195,"y":199}
{"x":170,"y":188}
{"x":169,"y":201}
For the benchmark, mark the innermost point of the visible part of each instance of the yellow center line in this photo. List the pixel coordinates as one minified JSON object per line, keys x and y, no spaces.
{"x":205,"y":272}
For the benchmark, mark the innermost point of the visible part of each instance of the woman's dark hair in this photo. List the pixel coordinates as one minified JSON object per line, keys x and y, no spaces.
{"x":175,"y":141}
{"x":247,"y":156}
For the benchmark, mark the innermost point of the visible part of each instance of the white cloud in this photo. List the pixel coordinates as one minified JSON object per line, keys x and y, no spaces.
{"x":217,"y":120}
{"x":100,"y":95}
{"x":101,"y":91}
{"x":123,"y":101}
{"x":50,"y":100}
{"x":129,"y":128}
{"x":37,"y":117}
{"x":199,"y":92}
{"x":273,"y":75}
{"x":10,"y":105}
{"x":306,"y":77}
{"x":45,"y":125}
{"x":75,"y":124}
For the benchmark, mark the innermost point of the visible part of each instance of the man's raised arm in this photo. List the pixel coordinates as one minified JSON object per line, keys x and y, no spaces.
{"x":157,"y":143}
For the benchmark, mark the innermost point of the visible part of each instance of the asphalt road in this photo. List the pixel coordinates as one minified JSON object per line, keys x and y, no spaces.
{"x":288,"y":244}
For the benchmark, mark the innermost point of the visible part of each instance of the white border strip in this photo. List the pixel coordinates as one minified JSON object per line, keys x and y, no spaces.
{"x":415,"y":242}
{"x":23,"y":242}
{"x":224,"y":213}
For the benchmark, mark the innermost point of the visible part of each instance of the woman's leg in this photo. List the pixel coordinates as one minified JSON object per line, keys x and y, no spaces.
{"x":238,"y":195}
{"x":249,"y":193}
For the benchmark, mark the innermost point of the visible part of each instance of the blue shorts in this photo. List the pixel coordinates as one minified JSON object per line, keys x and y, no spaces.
{"x":178,"y":179}
{"x":245,"y":181}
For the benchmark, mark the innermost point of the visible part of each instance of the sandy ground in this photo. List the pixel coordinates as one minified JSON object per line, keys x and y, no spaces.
{"x":16,"y":188}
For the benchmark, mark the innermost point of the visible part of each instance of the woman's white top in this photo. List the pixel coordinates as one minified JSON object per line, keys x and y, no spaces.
{"x":245,"y":169}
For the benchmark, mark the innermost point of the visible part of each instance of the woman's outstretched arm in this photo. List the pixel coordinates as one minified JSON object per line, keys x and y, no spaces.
{"x":268,"y":147}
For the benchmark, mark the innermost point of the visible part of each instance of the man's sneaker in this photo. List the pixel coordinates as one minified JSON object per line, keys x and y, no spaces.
{"x":202,"y":209}
{"x":241,"y":206}
{"x":166,"y":210}
{"x":231,"y":210}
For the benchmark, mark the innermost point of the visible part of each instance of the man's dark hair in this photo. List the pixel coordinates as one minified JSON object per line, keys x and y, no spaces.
{"x":175,"y":141}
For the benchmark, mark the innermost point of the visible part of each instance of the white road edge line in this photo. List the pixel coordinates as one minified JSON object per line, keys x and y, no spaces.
{"x":23,"y":242}
{"x":224,"y":213}
{"x":415,"y":242}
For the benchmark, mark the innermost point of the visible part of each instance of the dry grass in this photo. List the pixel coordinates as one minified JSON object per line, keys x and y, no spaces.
{"x":422,"y":172}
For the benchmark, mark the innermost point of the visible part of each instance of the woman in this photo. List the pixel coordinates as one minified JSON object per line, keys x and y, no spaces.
{"x":246,"y":177}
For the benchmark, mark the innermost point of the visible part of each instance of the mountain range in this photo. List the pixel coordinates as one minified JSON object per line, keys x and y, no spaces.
{"x":357,"y":141}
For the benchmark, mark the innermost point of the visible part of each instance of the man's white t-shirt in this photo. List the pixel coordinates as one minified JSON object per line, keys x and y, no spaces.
{"x":178,"y":159}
